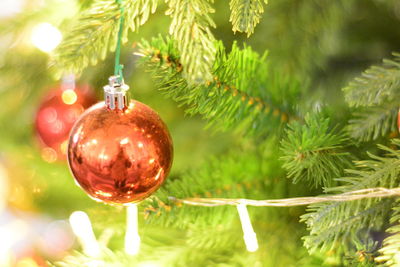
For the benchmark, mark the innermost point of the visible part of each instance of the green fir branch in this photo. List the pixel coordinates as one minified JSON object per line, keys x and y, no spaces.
{"x":331,"y":223}
{"x":190,"y":27}
{"x":245,"y":15}
{"x":242,"y":95}
{"x":198,"y":247}
{"x":174,"y":248}
{"x":376,"y":85}
{"x":237,"y":175}
{"x":313,"y":151}
{"x":96,"y":30}
{"x":338,"y":223}
{"x":373,"y":122}
{"x":301,"y":42}
{"x":390,"y":252}
{"x":375,"y":92}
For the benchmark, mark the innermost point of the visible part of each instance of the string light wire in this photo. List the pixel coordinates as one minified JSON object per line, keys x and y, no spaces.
{"x":378,"y":192}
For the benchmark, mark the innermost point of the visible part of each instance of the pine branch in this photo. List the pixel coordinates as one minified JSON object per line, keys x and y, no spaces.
{"x":330,"y":224}
{"x":208,"y":246}
{"x":333,"y":222}
{"x":96,"y":30}
{"x":245,"y":15}
{"x":190,"y":27}
{"x":376,"y":91}
{"x":376,"y":85}
{"x":236,"y":175}
{"x":313,"y":151}
{"x":242,"y":95}
{"x":373,"y":122}
{"x":377,"y":172}
{"x":301,"y":42}
{"x":227,"y":180}
{"x":391,"y":245}
{"x":174,"y":248}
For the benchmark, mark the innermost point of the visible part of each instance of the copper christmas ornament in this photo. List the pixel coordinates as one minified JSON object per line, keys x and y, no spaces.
{"x":120,"y":156}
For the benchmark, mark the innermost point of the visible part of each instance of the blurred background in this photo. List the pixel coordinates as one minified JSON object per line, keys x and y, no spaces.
{"x":323,"y":42}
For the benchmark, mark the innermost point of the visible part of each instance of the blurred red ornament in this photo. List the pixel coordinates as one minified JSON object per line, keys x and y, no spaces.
{"x":57,"y":114}
{"x":120,"y":156}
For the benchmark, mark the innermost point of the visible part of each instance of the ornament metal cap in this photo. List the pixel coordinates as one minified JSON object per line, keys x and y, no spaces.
{"x":115,"y":93}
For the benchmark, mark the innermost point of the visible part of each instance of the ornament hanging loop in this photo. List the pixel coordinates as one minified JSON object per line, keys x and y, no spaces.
{"x":118,"y":67}
{"x":115,"y":92}
{"x":115,"y":95}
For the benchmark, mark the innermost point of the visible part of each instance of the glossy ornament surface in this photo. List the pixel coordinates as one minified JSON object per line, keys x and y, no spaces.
{"x":120,"y":156}
{"x":57,"y":114}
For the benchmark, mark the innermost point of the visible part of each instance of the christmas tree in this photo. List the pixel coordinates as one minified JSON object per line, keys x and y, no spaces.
{"x":283,"y":116}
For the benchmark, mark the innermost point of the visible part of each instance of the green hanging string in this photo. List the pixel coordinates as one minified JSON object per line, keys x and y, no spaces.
{"x":118,"y":67}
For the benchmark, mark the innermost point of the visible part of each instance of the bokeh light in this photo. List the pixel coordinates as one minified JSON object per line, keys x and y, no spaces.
{"x":69,"y":97}
{"x":45,"y":37}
